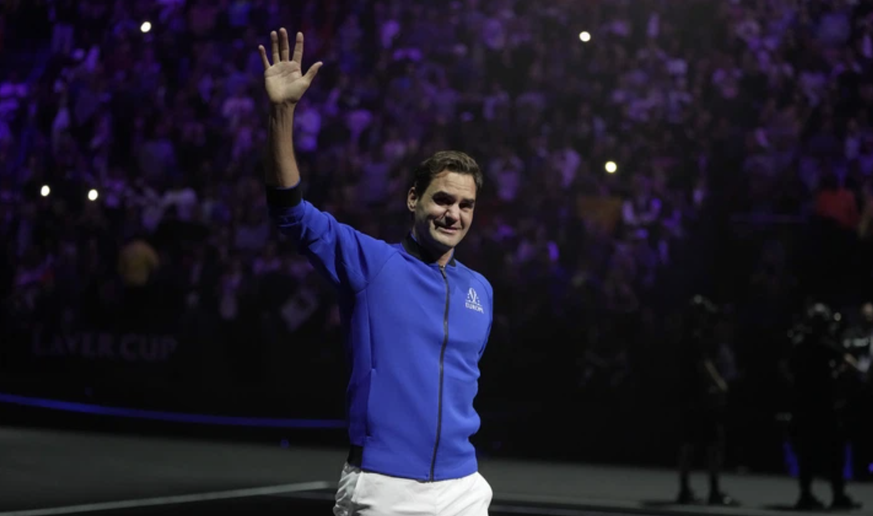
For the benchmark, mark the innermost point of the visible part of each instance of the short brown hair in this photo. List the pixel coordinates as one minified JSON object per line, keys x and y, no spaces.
{"x":453,"y":161}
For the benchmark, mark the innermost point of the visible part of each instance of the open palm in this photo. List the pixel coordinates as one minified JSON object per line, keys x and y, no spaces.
{"x":284,"y":80}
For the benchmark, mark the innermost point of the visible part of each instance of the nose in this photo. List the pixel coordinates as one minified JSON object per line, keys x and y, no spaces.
{"x":453,"y":213}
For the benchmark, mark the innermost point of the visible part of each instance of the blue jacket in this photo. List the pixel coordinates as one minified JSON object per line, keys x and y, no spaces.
{"x":414,"y":335}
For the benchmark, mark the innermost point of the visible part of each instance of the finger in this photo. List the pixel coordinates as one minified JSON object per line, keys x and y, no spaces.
{"x":313,"y":71}
{"x":274,"y":39}
{"x":298,"y":50}
{"x":284,"y":50}
{"x":263,"y":52}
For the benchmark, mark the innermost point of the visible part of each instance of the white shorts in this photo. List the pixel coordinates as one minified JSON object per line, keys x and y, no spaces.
{"x":364,"y":493}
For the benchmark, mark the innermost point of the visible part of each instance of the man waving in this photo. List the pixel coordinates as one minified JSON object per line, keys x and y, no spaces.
{"x":417,"y":322}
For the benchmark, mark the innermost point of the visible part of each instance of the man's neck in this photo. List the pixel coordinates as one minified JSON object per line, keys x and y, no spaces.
{"x":430,"y":254}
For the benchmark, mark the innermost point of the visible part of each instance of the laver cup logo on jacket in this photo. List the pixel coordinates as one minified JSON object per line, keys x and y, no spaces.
{"x":473,"y":301}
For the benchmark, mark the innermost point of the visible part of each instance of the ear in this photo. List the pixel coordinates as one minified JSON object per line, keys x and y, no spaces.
{"x":412,"y":199}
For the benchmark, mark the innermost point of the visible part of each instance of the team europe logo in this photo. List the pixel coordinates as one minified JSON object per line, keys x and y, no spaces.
{"x":473,"y":301}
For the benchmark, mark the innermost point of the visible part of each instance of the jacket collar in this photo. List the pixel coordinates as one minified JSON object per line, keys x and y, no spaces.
{"x":411,"y":245}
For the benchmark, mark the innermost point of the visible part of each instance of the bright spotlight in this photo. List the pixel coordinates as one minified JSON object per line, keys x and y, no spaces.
{"x":45,"y":191}
{"x":145,"y":27}
{"x":584,"y":37}
{"x":92,"y":195}
{"x":611,"y":167}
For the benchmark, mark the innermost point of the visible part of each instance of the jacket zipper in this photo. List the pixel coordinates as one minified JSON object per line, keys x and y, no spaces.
{"x":442,"y":358}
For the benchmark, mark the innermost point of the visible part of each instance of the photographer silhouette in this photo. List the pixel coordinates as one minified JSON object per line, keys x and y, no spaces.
{"x":816,"y":361}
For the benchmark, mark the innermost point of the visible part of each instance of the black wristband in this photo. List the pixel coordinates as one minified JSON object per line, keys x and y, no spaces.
{"x":284,"y":197}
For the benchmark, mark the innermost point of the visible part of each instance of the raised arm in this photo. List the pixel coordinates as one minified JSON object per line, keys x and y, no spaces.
{"x":345,"y":257}
{"x":285,"y":84}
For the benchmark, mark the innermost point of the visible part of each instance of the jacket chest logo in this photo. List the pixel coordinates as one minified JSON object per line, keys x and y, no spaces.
{"x":473,"y":301}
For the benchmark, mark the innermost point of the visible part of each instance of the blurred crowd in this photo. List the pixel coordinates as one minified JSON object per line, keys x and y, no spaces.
{"x":131,"y":160}
{"x":163,"y":126}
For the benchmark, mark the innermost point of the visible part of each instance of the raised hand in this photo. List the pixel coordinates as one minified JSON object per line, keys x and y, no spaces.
{"x":284,"y":79}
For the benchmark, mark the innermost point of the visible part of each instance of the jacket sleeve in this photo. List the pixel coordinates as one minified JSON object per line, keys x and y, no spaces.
{"x":348,"y":258}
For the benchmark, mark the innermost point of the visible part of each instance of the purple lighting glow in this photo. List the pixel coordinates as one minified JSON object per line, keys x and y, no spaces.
{"x":202,"y":419}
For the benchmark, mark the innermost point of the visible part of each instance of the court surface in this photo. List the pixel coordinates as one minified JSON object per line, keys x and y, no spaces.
{"x":46,"y":472}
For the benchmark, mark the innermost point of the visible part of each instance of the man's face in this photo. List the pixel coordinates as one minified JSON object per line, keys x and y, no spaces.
{"x":444,"y":212}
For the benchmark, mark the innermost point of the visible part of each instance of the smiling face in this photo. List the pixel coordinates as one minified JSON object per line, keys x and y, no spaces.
{"x":443,"y":213}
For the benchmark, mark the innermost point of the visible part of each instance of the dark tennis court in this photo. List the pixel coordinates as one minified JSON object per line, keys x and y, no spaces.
{"x":47,"y":472}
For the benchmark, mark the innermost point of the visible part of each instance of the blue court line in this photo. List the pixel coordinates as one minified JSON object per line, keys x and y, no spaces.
{"x":203,"y":419}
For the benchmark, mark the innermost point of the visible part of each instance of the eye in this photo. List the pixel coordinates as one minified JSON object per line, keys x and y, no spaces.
{"x":442,"y":199}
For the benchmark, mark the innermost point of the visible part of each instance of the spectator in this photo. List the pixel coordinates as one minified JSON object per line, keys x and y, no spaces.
{"x":137,"y":263}
{"x":837,"y":204}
